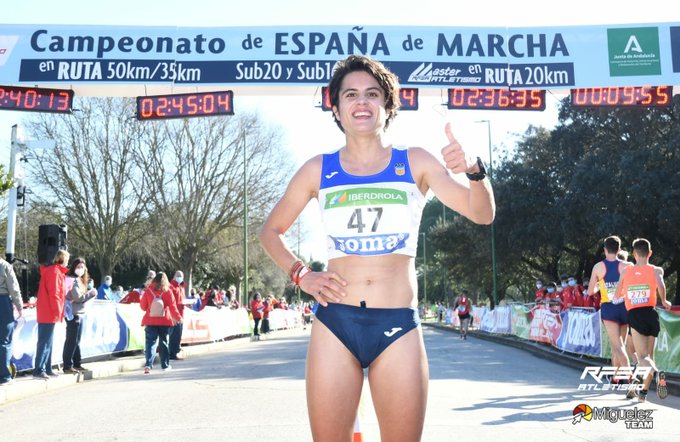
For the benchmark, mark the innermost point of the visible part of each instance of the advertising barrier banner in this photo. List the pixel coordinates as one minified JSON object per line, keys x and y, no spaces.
{"x":477,"y":315}
{"x":580,"y":332}
{"x":503,"y":323}
{"x":545,"y":326}
{"x":111,"y":328}
{"x":520,"y":321}
{"x":488,"y":321}
{"x":667,"y":350}
{"x":497,"y":320}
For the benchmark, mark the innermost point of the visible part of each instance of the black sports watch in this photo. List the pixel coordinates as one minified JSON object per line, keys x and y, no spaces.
{"x":479,"y":176}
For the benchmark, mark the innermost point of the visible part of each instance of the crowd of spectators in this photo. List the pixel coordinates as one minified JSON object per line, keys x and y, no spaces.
{"x":196,"y":299}
{"x":568,"y":292}
{"x":259,"y":309}
{"x":66,"y":289}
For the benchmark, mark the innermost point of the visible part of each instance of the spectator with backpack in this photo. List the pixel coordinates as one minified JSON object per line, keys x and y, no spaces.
{"x":158,"y":301}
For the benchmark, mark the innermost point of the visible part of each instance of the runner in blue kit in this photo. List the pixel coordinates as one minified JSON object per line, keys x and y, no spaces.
{"x":371,"y":196}
{"x":605,"y":278}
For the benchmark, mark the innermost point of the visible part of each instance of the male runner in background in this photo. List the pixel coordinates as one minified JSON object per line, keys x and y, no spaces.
{"x":639,"y":285}
{"x":605,"y":276}
{"x":462,"y":306}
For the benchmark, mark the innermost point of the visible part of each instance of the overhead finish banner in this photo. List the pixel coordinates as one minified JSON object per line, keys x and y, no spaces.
{"x":467,"y":57}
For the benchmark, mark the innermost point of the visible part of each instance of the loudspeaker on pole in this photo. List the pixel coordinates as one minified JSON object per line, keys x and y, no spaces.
{"x":51,"y":238}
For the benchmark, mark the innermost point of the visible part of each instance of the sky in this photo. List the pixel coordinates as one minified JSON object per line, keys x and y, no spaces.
{"x":305,"y":129}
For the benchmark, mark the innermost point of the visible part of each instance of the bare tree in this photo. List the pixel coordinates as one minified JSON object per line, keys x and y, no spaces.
{"x":194,"y":176}
{"x":91,"y":176}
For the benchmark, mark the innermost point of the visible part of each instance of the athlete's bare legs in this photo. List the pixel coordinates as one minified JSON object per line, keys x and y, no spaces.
{"x":398,"y":379}
{"x":332,"y":372}
{"x":644,"y":346}
{"x":617,"y":333}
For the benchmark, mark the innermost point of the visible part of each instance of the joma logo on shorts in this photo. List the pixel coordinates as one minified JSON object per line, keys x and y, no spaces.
{"x":370,"y":245}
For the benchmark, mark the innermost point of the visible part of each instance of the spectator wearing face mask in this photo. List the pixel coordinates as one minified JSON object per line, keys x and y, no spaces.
{"x":104,"y":292}
{"x":76,"y":297}
{"x":540,"y":291}
{"x":570,"y":295}
{"x":576,"y":287}
{"x":117,"y":294}
{"x":551,"y":291}
{"x":177,"y":286}
{"x":593,"y":300}
{"x":193,"y":294}
{"x":551,"y":299}
{"x":563,"y":285}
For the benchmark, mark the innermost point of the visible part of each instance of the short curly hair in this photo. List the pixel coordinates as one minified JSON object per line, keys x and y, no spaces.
{"x":387,"y":80}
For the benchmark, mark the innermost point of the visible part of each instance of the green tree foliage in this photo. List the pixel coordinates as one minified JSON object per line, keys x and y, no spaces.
{"x":194,"y":183}
{"x":599,"y":172}
{"x":164,"y":195}
{"x":6,"y":181}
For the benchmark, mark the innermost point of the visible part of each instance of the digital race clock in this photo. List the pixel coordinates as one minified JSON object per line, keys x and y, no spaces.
{"x":36,"y":99}
{"x":198,"y":104}
{"x":628,"y":96}
{"x":496,"y":99}
{"x":407,"y":95}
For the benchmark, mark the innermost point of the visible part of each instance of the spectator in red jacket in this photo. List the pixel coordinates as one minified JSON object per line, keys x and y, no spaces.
{"x":257,"y":309}
{"x":550,"y":291}
{"x":306,"y":315}
{"x":178,"y":286}
{"x":462,"y":306}
{"x":50,"y":310}
{"x":269,"y":304}
{"x":540,"y":291}
{"x":553,"y":297}
{"x":590,"y":300}
{"x":213,"y":297}
{"x":158,"y":320}
{"x":570,"y":295}
{"x":133,"y":296}
{"x":576,"y":290}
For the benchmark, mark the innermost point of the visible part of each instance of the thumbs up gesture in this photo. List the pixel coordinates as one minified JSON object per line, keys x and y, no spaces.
{"x":454,"y":156}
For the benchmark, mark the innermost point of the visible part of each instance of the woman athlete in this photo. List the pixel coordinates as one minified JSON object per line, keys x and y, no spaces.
{"x":371,"y":196}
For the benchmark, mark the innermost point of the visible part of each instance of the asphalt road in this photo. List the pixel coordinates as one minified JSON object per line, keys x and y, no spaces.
{"x":254,"y":391}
